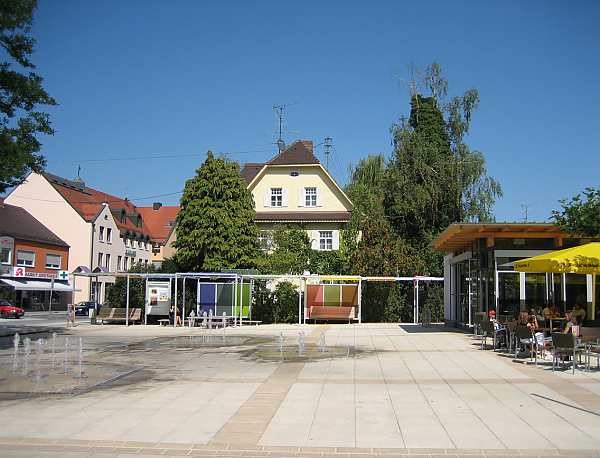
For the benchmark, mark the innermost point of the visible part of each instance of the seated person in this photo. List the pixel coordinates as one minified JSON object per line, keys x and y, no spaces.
{"x":549,"y":312}
{"x":500,"y":331}
{"x":570,"y":321}
{"x":579,"y":313}
{"x":175,"y":316}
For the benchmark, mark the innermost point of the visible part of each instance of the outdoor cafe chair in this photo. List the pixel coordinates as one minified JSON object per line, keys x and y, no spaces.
{"x":592,"y":336}
{"x":488,"y":330}
{"x":478,"y":317}
{"x":564,"y":346}
{"x":511,"y":336}
{"x":526,"y":332}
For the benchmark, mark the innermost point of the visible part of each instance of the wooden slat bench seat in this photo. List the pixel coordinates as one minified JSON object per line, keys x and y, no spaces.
{"x":119,"y":315}
{"x":332,"y":313}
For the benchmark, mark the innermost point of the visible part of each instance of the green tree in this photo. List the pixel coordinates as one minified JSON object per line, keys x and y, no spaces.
{"x":215,"y":226}
{"x":117,"y":293}
{"x":20,"y":96}
{"x":433,"y":179}
{"x":580,"y":215}
{"x":289,"y":252}
{"x":366,"y":187}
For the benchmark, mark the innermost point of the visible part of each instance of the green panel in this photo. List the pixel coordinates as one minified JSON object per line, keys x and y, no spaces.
{"x":332,"y":295}
{"x":225,"y":295}
{"x":245,"y":299}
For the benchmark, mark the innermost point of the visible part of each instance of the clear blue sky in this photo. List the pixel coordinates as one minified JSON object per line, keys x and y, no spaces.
{"x":157,"y":78}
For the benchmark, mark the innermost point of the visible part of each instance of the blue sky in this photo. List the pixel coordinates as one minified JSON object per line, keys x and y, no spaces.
{"x":168,"y":80}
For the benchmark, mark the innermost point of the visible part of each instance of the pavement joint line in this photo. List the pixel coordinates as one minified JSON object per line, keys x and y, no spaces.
{"x":140,"y":448}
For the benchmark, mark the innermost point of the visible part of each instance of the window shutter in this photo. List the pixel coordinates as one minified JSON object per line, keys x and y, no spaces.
{"x":284,"y":197}
{"x":336,"y":240}
{"x":319,"y":197}
{"x":315,"y":240}
{"x":301,"y":197}
{"x":267,"y":202}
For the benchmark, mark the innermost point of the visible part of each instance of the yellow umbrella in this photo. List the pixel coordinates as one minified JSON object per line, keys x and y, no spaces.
{"x":583,"y":259}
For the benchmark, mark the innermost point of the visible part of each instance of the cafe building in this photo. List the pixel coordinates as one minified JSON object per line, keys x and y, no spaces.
{"x":479,"y":272}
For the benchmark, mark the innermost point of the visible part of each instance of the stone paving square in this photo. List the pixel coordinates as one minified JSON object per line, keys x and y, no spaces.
{"x":405,"y":390}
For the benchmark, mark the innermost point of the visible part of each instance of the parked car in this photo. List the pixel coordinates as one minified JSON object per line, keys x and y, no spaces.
{"x":83,"y":308}
{"x":7,"y":310}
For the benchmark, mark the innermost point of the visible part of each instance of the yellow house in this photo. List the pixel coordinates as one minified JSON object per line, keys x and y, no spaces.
{"x":295,"y":189}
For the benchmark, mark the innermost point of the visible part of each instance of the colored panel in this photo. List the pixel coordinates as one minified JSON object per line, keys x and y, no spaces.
{"x":314,"y":295}
{"x":245,"y":295}
{"x":350,"y":295}
{"x":224,"y":299}
{"x":207,"y":297}
{"x":332,"y":295}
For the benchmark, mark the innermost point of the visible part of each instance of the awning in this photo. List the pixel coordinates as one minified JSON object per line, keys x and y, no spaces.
{"x":37,"y":285}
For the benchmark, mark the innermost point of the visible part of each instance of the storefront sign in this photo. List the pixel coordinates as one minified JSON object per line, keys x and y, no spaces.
{"x":21,"y":272}
{"x":130,"y":252}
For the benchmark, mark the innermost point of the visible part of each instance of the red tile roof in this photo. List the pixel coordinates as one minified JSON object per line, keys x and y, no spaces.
{"x":88,"y":202}
{"x":160,"y":222}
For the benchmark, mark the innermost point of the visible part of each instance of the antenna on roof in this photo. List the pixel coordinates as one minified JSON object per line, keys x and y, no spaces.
{"x":526,"y":208}
{"x":279,"y":112}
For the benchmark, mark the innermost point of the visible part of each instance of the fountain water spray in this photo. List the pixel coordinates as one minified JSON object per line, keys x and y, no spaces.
{"x":210,"y":318}
{"x":280,"y":344}
{"x":38,"y":357}
{"x":322,"y":343}
{"x":27,"y":345}
{"x":80,"y":355}
{"x":224,"y":324}
{"x":191,"y":322}
{"x":66,"y":369}
{"x":204,"y":319}
{"x":301,"y":340}
{"x":54,"y":363}
{"x":15,"y":353}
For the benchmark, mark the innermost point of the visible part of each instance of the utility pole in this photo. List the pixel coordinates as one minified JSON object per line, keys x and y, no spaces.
{"x":327,"y":146}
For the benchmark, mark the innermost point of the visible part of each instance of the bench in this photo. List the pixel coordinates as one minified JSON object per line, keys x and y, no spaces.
{"x":164,"y":322}
{"x":254,"y":322}
{"x":318,"y":312}
{"x":119,"y":314}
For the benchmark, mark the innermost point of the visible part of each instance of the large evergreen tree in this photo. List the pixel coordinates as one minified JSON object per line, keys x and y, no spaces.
{"x":20,"y":95}
{"x":215,"y":226}
{"x":433,"y":179}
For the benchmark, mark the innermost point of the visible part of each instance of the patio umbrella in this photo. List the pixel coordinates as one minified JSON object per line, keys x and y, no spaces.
{"x":583,"y":259}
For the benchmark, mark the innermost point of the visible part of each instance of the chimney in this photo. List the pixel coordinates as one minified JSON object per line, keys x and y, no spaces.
{"x":156,"y":206}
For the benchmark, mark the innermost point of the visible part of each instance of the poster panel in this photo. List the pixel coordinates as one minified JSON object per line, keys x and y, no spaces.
{"x":158,"y":298}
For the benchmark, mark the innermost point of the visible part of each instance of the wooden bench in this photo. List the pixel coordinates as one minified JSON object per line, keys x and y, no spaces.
{"x":164,"y":322}
{"x":119,"y":315}
{"x":318,"y":312}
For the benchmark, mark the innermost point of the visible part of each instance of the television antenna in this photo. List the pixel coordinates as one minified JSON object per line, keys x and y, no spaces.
{"x":279,"y":112}
{"x":526,"y":209}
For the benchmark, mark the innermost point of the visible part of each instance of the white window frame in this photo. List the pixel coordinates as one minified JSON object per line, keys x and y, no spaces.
{"x":100,"y":259}
{"x":276,"y":197}
{"x":53,"y":265}
{"x":108,"y":235}
{"x":26,"y":261}
{"x":119,"y":263}
{"x":101,"y":234}
{"x":320,"y":236}
{"x":107,"y":259}
{"x":316,"y":200}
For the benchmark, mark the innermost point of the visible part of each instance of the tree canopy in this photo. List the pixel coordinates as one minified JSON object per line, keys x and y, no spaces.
{"x":215,"y":226}
{"x":20,"y":96}
{"x":580,"y":215}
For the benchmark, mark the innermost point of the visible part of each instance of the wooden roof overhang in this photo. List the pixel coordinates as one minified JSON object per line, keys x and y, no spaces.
{"x":460,"y":236}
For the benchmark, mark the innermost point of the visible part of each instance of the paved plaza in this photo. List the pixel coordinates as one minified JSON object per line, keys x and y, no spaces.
{"x":377,"y":390}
